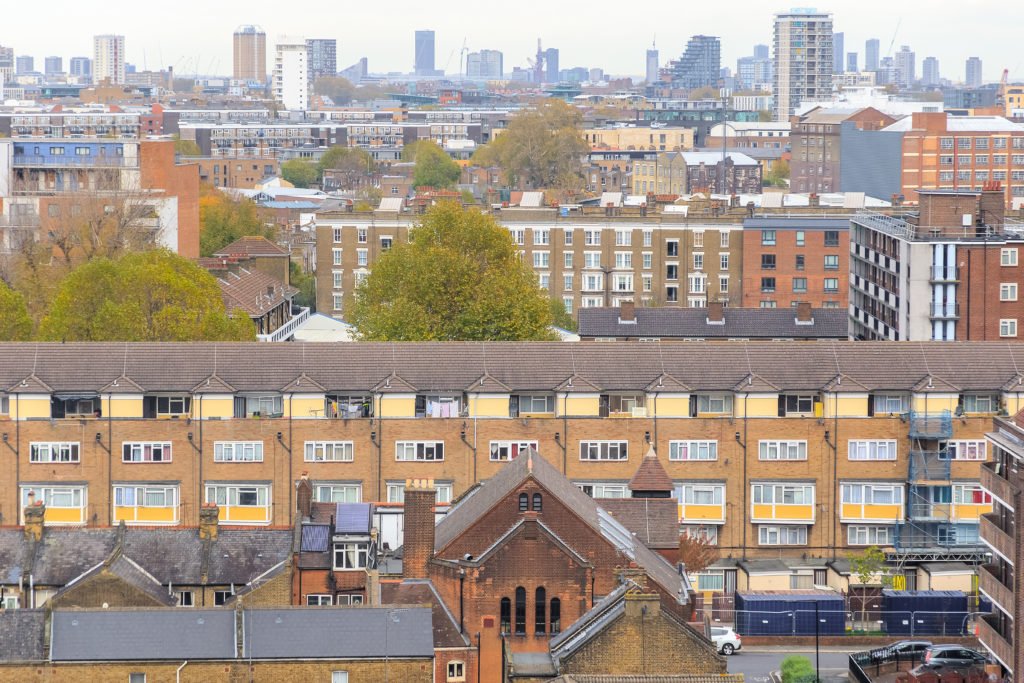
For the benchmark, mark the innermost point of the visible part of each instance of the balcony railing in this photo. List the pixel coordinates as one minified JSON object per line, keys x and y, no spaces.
{"x":33,"y":161}
{"x":993,"y":481}
{"x":931,"y":425}
{"x":991,"y":586}
{"x":945,"y":274}
{"x":945,"y":310}
{"x":996,"y":538}
{"x":284,"y":332}
{"x":995,"y":642}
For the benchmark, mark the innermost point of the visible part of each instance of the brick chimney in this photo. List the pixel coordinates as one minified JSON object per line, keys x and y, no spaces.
{"x":208,"y":517}
{"x":716,"y":313}
{"x":35,"y":513}
{"x":803,"y":313}
{"x":627,"y":312}
{"x":813,"y":200}
{"x":419,"y":527}
{"x":304,"y":496}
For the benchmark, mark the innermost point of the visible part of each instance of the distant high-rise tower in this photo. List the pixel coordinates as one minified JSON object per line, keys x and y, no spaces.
{"x":81,"y":67}
{"x":108,"y":59}
{"x":838,"y":52}
{"x":973,"y":79}
{"x":6,"y":63}
{"x":871,"y":55}
{"x":762,"y":52}
{"x":323,"y":57}
{"x":803,"y":59}
{"x":851,"y":62}
{"x":24,"y":64}
{"x":291,"y":74}
{"x":906,"y":67}
{"x":551,"y":65}
{"x":701,"y":64}
{"x":652,"y":66}
{"x":424,"y":65}
{"x":754,"y":73}
{"x":250,"y":54}
{"x":53,"y":66}
{"x":930,"y":72}
{"x":486,"y":65}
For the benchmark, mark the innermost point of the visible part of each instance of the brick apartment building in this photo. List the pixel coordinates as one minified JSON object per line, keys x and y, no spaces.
{"x":796,"y":421}
{"x":817,"y":152}
{"x":947,"y":271}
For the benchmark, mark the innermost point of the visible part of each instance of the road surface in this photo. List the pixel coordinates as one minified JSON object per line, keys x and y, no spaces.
{"x":756,"y":663}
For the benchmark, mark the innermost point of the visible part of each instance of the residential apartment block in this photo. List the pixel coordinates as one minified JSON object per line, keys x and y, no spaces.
{"x":816,"y":149}
{"x":796,"y":448}
{"x":291,"y":75}
{"x":947,"y":271}
{"x":108,"y":59}
{"x":249,"y":52}
{"x":803,"y":59}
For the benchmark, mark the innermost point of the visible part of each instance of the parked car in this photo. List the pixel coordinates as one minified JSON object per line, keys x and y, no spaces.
{"x":952,"y":657}
{"x":725,"y":639}
{"x":906,"y":649}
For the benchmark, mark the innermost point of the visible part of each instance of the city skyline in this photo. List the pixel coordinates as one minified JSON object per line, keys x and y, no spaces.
{"x":205,"y":48}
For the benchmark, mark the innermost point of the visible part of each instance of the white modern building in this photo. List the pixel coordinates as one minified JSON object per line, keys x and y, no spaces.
{"x":291,"y":74}
{"x":803,"y":58}
{"x":108,"y":59}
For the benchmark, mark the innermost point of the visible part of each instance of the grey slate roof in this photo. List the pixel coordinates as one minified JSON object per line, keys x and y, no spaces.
{"x":22,"y":634}
{"x":129,"y":572}
{"x":357,"y":632}
{"x":691,"y":323}
{"x":523,"y":366}
{"x":138,"y":635}
{"x":655,"y":521}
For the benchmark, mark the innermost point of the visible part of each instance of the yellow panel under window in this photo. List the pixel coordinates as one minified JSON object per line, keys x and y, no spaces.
{"x":245,"y":514}
{"x":701,"y":513}
{"x":872,"y":513}
{"x":145,"y":515}
{"x":64,"y":516}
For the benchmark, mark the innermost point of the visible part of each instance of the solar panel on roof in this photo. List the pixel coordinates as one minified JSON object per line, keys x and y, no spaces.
{"x":315,"y":538}
{"x":352,"y":518}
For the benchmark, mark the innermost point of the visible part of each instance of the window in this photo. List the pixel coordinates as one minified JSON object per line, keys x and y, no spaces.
{"x":799,"y":285}
{"x":1008,"y":257}
{"x":524,"y":502}
{"x":350,"y":555}
{"x":567,"y":259}
{"x":700,"y":494}
{"x":140,"y":496}
{"x":869,"y":535}
{"x":238,"y":495}
{"x":604,"y":490}
{"x":537,"y":502}
{"x":591,"y":259}
{"x":541,"y":259}
{"x":1008,"y":327}
{"x":173,"y":405}
{"x":971,"y":494}
{"x":568,"y":238}
{"x":5,"y":405}
{"x":507,"y":450}
{"x":541,"y":237}
{"x":831,"y":284}
{"x":66,"y":497}
{"x":831,"y":262}
{"x":520,"y":611}
{"x":672,"y":272}
{"x":872,"y":494}
{"x":456,"y":672}
{"x":871,"y":450}
{"x":259,"y":406}
{"x":723,"y":284}
{"x":238,"y":451}
{"x":186,"y":598}
{"x":648,"y":260}
{"x":782,"y":535}
{"x":336,"y":279}
{"x":604,"y":450}
{"x":145,"y":452}
{"x":337,"y":235}
{"x":768,"y":238}
{"x":136,"y":677}
{"x":672,"y":248}
{"x":711,"y":581}
{"x":890,"y":403}
{"x":592,"y":238}
{"x":799,"y":238}
{"x":623,"y":238}
{"x":54,"y":452}
{"x":768,"y":304}
{"x":419,"y":450}
{"x":767,"y":261}
{"x":981,"y":403}
{"x":698,"y":261}
{"x":396,"y":492}
{"x":693,"y":450}
{"x":782,"y":450}
{"x":336,"y":257}
{"x":336,"y":302}
{"x":540,"y":611}
{"x":319,"y":600}
{"x":362,"y":257}
{"x":506,"y":615}
{"x":648,"y":238}
{"x":338,"y":493}
{"x":716,"y":404}
{"x":339,"y":677}
{"x":723,"y":261}
{"x":348,"y":599}
{"x":518,"y":236}
{"x":385,"y":243}
{"x":783,"y":494}
{"x":530,"y":404}
{"x":672,"y":294}
{"x":965,"y":450}
{"x":360,"y":235}
{"x":623,"y":259}
{"x":556,"y":616}
{"x":831,"y":238}
{"x":1008,"y":291}
{"x":767,"y":284}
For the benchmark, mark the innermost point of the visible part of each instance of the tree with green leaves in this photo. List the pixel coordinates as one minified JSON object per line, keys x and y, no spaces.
{"x":870,"y":568}
{"x":434,"y":168}
{"x":143,"y":296}
{"x":541,"y":148}
{"x":305,"y":283}
{"x":459,"y":277}
{"x":561,"y":317}
{"x":187,"y":148}
{"x":224,"y":219}
{"x":300,"y":172}
{"x":340,"y":90}
{"x":351,"y":163}
{"x":15,"y":323}
{"x":797,"y":669}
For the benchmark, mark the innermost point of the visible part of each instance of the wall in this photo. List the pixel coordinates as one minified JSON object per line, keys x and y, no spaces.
{"x":871,"y":161}
{"x":160,"y":172}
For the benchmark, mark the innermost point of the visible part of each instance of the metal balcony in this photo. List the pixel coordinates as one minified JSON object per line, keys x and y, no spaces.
{"x":930,"y":425}
{"x":944,"y":310}
{"x":945,"y":274}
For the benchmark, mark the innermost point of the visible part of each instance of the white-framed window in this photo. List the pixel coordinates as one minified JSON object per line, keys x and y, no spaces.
{"x":1008,"y":256}
{"x":336,"y":281}
{"x":336,"y":302}
{"x":980,"y":403}
{"x":782,"y":450}
{"x":604,"y":450}
{"x":238,"y":451}
{"x":338,"y":492}
{"x":146,"y":496}
{"x":238,"y":495}
{"x":699,"y":494}
{"x":871,"y":450}
{"x":567,"y":259}
{"x":567,"y":282}
{"x":456,"y":672}
{"x":518,"y":235}
{"x":693,"y":450}
{"x":648,"y":283}
{"x":361,"y":235}
{"x":362,"y":257}
{"x":507,"y":450}
{"x":137,"y":677}
{"x":146,"y":451}
{"x":58,"y":497}
{"x":622,"y":282}
{"x":5,"y":404}
{"x":530,"y":404}
{"x":541,"y":237}
{"x":593,"y":282}
{"x":419,"y":450}
{"x":186,"y":598}
{"x":347,"y":599}
{"x":592,"y":238}
{"x":709,"y":581}
{"x":869,"y":535}
{"x":1008,"y":291}
{"x":782,"y":535}
{"x":648,"y":237}
{"x":872,"y":493}
{"x":971,"y":494}
{"x":623,"y":238}
{"x":623,"y":259}
{"x":783,"y":494}
{"x":350,"y":555}
{"x":396,"y":492}
{"x":698,"y":260}
{"x":319,"y":600}
{"x":1007,"y":327}
{"x":601,"y":489}
{"x":708,"y":532}
{"x":270,"y":405}
{"x":648,"y":260}
{"x":541,"y":259}
{"x":892,"y":404}
{"x":567,"y":303}
{"x":723,"y":284}
{"x":359,"y":277}
{"x":329,"y":451}
{"x":723,"y":261}
{"x":173,"y":405}
{"x":714,"y":404}
{"x":591,"y":259}
{"x":723,"y":239}
{"x":54,"y":452}
{"x":336,"y":257}
{"x":698,"y":283}
{"x":567,"y":236}
{"x":964,"y":449}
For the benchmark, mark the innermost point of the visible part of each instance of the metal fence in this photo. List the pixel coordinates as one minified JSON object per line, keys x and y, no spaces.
{"x":808,"y":622}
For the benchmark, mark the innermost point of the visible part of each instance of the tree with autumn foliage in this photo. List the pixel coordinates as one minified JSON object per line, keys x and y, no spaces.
{"x":697,"y":553}
{"x":459,"y":277}
{"x":224,"y":219}
{"x":15,"y":323}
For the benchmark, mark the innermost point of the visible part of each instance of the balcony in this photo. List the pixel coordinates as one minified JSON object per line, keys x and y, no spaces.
{"x":994,"y":641}
{"x":931,"y":512}
{"x":945,"y":274}
{"x":996,"y":538}
{"x":993,"y":481}
{"x":994,"y":588}
{"x":944,"y":310}
{"x":928,"y":466}
{"x":285,"y":332}
{"x":930,"y":425}
{"x":39,"y":161}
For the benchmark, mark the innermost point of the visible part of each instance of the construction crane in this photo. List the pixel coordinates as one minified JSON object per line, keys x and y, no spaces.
{"x":537,"y":64}
{"x":463,"y":66}
{"x":894,"y":34}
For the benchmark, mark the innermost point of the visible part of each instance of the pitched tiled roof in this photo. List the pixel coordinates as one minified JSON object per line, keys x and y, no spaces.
{"x":251,"y":245}
{"x":422,"y":592}
{"x":130,"y":573}
{"x":650,"y":475}
{"x":253,"y":292}
{"x":692,"y":323}
{"x":654,"y":521}
{"x":522,"y":366}
{"x":22,"y":635}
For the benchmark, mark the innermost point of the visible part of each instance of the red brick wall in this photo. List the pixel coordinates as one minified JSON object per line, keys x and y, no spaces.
{"x":159,"y":172}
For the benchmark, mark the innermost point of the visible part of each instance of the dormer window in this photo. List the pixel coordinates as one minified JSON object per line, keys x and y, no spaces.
{"x":979,"y":403}
{"x":259,"y":405}
{"x":75,"y":405}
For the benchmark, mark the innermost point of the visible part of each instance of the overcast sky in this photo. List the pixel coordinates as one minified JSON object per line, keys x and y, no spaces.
{"x":195,"y":35}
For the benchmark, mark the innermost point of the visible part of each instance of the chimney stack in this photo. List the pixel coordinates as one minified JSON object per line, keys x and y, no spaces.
{"x":716,"y":313}
{"x":35,"y":514}
{"x":627,"y":312}
{"x":208,"y":517}
{"x":304,"y":496}
{"x":803,"y":314}
{"x":418,"y":546}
